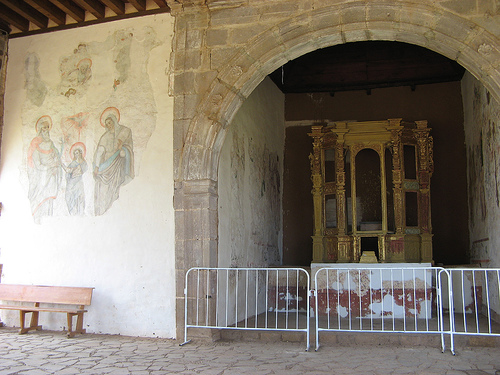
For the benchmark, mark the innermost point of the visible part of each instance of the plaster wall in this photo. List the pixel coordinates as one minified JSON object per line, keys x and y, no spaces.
{"x":250,"y":192}
{"x":482,"y":121}
{"x":127,"y":251}
{"x":250,"y":182}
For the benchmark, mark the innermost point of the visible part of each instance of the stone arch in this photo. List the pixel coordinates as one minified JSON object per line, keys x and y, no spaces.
{"x":427,"y":26}
{"x":196,"y":163}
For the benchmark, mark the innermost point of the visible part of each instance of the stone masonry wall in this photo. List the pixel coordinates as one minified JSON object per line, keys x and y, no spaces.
{"x":223,"y":49}
{"x":3,"y":67}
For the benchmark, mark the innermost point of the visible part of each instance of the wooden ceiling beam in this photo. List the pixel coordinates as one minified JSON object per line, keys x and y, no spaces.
{"x":140,"y":5}
{"x":161,"y":3}
{"x":116,"y":6}
{"x":14,"y":19}
{"x":73,"y":10}
{"x":49,"y":10}
{"x":27,"y":12}
{"x":4,"y":27}
{"x":92,"y":6}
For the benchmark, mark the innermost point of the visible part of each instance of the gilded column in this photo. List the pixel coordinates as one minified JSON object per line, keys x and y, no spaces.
{"x":343,"y":240}
{"x":317,"y":193}
{"x":425,"y":169}
{"x":397,"y":240}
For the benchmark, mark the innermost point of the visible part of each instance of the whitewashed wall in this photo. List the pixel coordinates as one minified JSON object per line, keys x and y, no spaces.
{"x":250,"y":182}
{"x":250,"y":190}
{"x":127,"y":253}
{"x":482,"y":138}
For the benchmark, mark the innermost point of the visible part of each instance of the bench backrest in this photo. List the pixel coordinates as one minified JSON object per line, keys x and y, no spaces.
{"x":46,"y":294}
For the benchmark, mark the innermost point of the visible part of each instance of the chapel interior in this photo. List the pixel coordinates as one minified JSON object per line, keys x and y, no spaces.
{"x":340,"y":90}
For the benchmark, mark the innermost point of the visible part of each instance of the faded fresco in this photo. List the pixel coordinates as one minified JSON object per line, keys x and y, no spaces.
{"x":483,"y":154}
{"x":44,"y":170}
{"x":84,"y":133}
{"x":255,"y":201}
{"x":113,"y":160}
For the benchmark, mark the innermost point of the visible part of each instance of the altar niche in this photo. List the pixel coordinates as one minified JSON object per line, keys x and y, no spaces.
{"x":371,"y":191}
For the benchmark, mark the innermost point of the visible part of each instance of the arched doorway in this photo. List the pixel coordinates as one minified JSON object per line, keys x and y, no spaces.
{"x":201,"y":127}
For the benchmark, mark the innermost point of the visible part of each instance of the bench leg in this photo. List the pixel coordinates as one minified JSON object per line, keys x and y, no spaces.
{"x":79,"y":324}
{"x":33,"y":322}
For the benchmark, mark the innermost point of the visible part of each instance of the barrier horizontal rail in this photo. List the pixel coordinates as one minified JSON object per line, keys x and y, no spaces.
{"x":247,"y":298}
{"x":381,"y":299}
{"x":476,"y":301}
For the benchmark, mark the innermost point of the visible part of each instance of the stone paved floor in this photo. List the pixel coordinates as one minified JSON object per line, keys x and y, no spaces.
{"x":52,"y":353}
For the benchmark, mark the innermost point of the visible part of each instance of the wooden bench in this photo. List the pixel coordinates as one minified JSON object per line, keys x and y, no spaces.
{"x":72,"y":301}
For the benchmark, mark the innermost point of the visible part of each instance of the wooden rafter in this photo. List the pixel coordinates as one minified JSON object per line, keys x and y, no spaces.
{"x":28,"y":12}
{"x":28,"y":17}
{"x":49,"y":10}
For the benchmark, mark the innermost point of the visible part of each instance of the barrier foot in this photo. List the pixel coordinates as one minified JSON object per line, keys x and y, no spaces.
{"x":185,"y":342}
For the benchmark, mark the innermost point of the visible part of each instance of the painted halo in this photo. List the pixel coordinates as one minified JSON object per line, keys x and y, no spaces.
{"x":45,"y":118}
{"x":80,"y":146}
{"x":84,"y":61}
{"x":109,"y":111}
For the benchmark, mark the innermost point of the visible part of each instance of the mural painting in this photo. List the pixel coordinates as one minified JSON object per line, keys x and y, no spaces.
{"x":44,"y":170}
{"x":75,"y":193}
{"x":113,"y":160}
{"x":79,"y":147}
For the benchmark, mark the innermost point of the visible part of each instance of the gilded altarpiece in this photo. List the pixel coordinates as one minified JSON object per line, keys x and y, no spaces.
{"x":371,"y":191}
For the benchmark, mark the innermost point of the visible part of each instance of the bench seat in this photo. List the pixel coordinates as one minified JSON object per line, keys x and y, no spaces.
{"x":27,"y":299}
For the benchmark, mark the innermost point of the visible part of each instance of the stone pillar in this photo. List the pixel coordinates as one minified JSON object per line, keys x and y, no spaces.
{"x":4,"y":38}
{"x":196,"y":234}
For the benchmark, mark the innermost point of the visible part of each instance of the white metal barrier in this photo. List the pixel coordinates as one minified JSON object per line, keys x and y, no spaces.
{"x":475,"y":297}
{"x":381,"y":299}
{"x":432,"y":300}
{"x":247,"y":298}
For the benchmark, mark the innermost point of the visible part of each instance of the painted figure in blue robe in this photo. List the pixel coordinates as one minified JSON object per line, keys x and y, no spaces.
{"x":113,"y":161}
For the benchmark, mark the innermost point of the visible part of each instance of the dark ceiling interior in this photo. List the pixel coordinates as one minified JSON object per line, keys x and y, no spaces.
{"x":365,"y":66}
{"x":27,"y":17}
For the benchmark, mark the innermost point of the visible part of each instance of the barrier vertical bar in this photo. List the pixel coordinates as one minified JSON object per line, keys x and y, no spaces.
{"x":381,"y":297}
{"x":360,"y":301}
{"x":371,"y":301}
{"x":287,"y":295}
{"x":404,"y":299}
{"x":392,"y":288}
{"x":463,"y":299}
{"x":207,"y":296}
{"x":217,"y":297}
{"x":297,"y":299}
{"x":338,"y":297}
{"x":426,"y":303}
{"x":349,"y":292}
{"x":267,"y":295}
{"x":316,"y":306}
{"x":475,"y":300}
{"x":246,"y":299}
{"x":227,"y":293}
{"x":197,"y":297}
{"x":415,"y":299}
{"x":186,"y":309}
{"x":256,"y":297}
{"x":276,"y":306}
{"x":328,"y":310}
